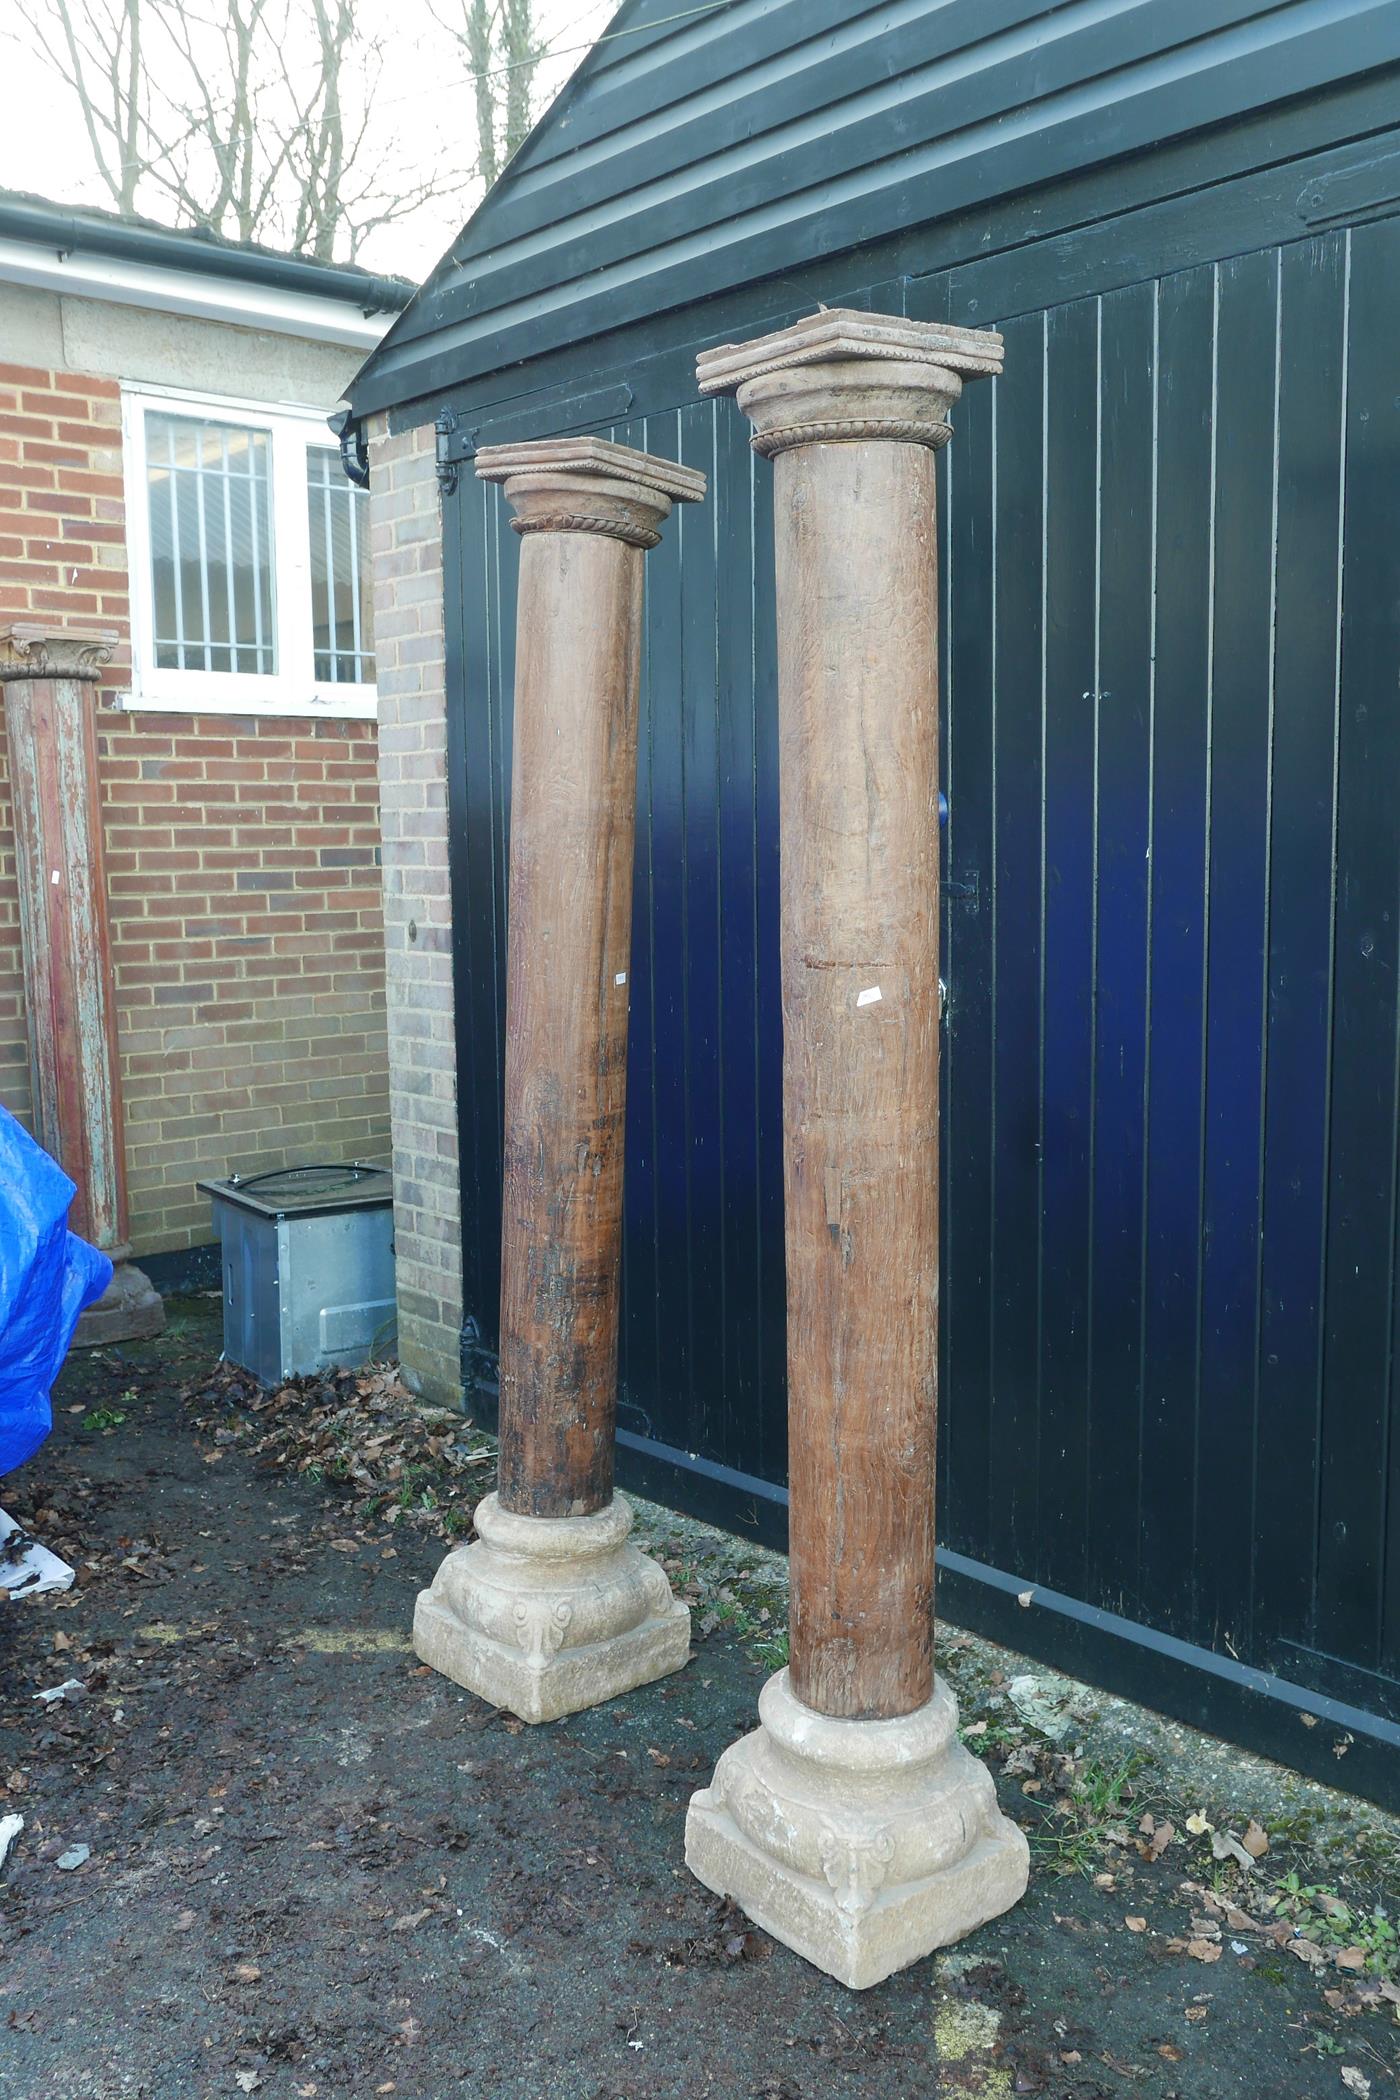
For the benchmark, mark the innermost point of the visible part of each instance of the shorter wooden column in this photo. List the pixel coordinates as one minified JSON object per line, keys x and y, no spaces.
{"x":50,"y":678}
{"x":853,"y":1823}
{"x":551,"y":1609}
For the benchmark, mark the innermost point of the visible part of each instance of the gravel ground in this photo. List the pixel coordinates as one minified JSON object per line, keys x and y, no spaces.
{"x":316,"y":1869}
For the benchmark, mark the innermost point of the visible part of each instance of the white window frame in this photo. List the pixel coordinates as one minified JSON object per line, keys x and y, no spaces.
{"x":293,"y":688}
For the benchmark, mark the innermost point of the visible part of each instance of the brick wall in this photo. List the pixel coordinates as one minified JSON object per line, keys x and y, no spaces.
{"x":244,"y":896}
{"x":406,"y":536}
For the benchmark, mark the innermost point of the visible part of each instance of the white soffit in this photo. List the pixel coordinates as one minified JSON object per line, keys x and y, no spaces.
{"x":239,"y":304}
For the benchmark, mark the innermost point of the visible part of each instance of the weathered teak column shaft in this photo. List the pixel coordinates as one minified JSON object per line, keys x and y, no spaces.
{"x":852,"y":1823}
{"x":858,"y":642}
{"x":572,"y":826}
{"x":551,"y":1609}
{"x":50,"y":679}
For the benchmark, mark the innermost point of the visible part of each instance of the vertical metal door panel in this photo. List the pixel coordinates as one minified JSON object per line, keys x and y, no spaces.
{"x":1123,"y":762}
{"x":1242,"y":538}
{"x":1013,"y":930}
{"x":966,"y":1082}
{"x":1358,"y":1366}
{"x":1312,"y":344}
{"x":1176,"y":1009}
{"x":1071,"y":468}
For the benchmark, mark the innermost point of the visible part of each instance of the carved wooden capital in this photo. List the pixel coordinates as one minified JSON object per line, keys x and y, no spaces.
{"x":588,"y":484}
{"x":28,"y":650}
{"x":844,"y":376}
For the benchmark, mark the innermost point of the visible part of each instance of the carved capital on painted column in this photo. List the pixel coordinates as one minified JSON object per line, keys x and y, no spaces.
{"x":844,"y":376}
{"x":29,"y":650}
{"x":588,"y":484}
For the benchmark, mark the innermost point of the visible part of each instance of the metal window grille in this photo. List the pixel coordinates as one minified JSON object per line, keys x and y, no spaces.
{"x":212,"y":560}
{"x":341,"y":615}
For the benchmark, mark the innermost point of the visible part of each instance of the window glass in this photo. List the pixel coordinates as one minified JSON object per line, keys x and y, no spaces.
{"x":341,"y":614}
{"x":209,"y":491}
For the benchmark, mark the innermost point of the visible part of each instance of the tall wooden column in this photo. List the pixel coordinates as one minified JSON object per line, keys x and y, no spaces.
{"x":551,"y":1609}
{"x":50,"y":678}
{"x":889,"y":1841}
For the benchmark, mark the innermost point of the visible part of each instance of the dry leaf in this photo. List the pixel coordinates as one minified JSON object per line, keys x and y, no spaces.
{"x":1170,"y":2051}
{"x":1351,"y":1958}
{"x":1356,"y":2082}
{"x":1204,"y":1950}
{"x":1196,"y":2013}
{"x":1136,"y":1924}
{"x":1197,"y":1824}
{"x":1161,"y":1838}
{"x":247,"y":1972}
{"x":1225,"y":1845}
{"x":1255,"y":1840}
{"x":1308,"y":1951}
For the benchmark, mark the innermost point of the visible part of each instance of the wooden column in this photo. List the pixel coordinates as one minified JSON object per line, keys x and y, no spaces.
{"x":851,"y":416}
{"x":587,"y":510}
{"x":50,"y":678}
{"x":851,"y":408}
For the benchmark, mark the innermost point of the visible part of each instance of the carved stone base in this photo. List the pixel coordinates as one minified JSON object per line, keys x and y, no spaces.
{"x":863,"y":1845}
{"x":545,"y":1616}
{"x":129,"y":1310}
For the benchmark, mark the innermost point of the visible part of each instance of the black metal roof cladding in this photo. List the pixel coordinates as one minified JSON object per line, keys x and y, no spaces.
{"x":80,"y":229}
{"x":696,"y":152}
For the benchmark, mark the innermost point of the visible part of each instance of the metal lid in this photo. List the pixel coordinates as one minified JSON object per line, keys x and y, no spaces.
{"x":291,"y":1191}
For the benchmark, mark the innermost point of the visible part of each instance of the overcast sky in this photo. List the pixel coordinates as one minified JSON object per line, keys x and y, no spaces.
{"x":422,"y":114}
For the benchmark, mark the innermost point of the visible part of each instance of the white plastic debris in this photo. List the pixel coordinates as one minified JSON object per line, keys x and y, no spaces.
{"x":10,"y":1828}
{"x":56,"y":1692}
{"x":33,"y":1570}
{"x":1039,"y":1701}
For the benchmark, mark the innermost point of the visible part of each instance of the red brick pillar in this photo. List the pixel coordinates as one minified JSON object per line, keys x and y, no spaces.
{"x":50,"y":678}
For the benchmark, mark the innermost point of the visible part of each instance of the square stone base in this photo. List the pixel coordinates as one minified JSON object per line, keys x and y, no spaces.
{"x":902,"y":1924}
{"x":545,"y":1688}
{"x":862,"y":1845}
{"x":547,"y":1616}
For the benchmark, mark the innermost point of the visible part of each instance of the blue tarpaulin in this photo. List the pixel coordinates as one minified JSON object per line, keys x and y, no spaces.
{"x":47,"y":1276}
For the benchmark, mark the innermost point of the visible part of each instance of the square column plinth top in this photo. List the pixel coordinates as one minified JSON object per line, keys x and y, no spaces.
{"x":29,"y":649}
{"x":843,"y":375}
{"x":589,"y":484}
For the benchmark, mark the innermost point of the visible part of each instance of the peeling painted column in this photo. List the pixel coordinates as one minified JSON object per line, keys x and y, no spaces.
{"x":551,"y":1609}
{"x":50,"y":678}
{"x":852,"y":1823}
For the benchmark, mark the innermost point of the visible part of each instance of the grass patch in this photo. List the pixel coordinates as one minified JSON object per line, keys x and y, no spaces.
{"x":1095,"y":1800}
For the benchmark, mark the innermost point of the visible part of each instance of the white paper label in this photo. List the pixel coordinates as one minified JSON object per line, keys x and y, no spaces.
{"x":621,"y":977}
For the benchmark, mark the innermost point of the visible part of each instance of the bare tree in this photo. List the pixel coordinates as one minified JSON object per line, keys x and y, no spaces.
{"x":251,"y":119}
{"x":502,"y":51}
